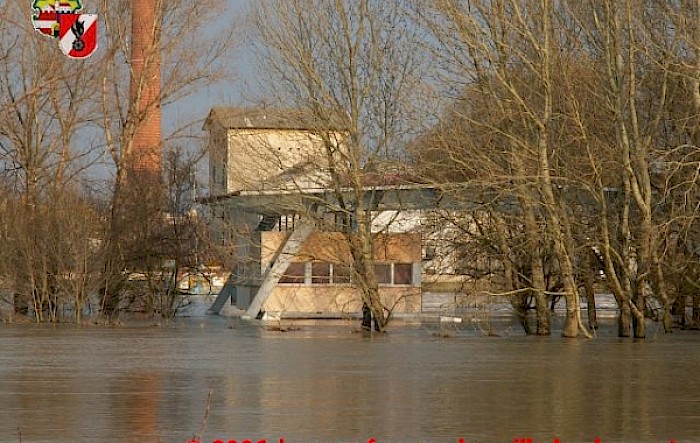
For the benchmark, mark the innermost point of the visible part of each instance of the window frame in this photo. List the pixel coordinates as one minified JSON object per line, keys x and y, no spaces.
{"x":321,"y":279}
{"x":408,"y":266}
{"x":293,"y":279}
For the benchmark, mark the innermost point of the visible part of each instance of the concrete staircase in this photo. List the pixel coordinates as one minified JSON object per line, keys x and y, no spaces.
{"x":280,"y":263}
{"x":227,"y":292}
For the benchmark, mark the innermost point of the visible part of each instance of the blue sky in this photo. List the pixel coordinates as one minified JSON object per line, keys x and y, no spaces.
{"x":234,"y":91}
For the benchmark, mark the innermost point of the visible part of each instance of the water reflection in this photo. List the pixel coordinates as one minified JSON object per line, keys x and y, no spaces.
{"x":325,"y":383}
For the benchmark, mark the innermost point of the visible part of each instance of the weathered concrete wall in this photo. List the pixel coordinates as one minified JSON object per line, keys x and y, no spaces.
{"x":320,"y":299}
{"x":256,"y":156}
{"x":332,"y":247}
{"x":217,"y":160}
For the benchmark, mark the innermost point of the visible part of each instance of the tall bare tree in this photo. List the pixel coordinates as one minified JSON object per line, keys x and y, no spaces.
{"x":585,"y":101}
{"x":188,"y":54}
{"x":46,"y":103}
{"x":507,"y":55}
{"x":348,"y":70}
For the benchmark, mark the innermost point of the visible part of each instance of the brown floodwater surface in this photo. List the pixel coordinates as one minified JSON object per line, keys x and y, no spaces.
{"x":325,"y":383}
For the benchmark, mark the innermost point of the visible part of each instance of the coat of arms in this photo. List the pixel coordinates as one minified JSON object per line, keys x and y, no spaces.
{"x":60,"y":19}
{"x":47,"y":13}
{"x":78,"y":34}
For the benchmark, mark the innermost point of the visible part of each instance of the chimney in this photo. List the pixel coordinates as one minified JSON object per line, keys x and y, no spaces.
{"x":146,"y":88}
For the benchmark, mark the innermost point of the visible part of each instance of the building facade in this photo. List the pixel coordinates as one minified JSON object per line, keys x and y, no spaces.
{"x":269,"y":204}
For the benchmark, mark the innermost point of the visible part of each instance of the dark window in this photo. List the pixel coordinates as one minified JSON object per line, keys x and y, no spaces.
{"x":429,"y":252}
{"x":403,"y":273}
{"x":294,"y":273}
{"x":320,"y":273}
{"x":383,"y":272}
{"x":342,"y":222}
{"x":341,"y":273}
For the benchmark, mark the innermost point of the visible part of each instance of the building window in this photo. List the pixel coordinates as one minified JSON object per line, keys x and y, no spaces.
{"x":383,"y":272}
{"x":403,"y":273}
{"x":429,"y":252}
{"x":295,"y":273}
{"x":341,"y":273}
{"x":320,"y":273}
{"x":342,"y":222}
{"x":324,"y":273}
{"x":394,"y":273}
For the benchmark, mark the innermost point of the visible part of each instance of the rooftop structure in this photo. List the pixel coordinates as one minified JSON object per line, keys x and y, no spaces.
{"x":261,"y":149}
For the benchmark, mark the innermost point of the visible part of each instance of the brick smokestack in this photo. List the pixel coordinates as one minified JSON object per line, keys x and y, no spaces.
{"x":146,"y":88}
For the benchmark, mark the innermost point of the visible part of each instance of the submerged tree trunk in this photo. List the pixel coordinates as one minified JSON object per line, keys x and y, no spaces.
{"x":519,"y":302}
{"x":366,"y":317}
{"x":543,"y":313}
{"x":639,"y":319}
{"x":533,"y":237}
{"x":588,"y":284}
{"x":678,"y":310}
{"x":361,"y":249}
{"x":624,"y":321}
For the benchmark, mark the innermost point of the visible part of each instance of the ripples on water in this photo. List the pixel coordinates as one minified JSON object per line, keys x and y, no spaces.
{"x":325,"y":383}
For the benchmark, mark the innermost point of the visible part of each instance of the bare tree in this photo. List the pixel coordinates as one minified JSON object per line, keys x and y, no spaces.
{"x":582,"y":103}
{"x":347,"y":70}
{"x":507,"y":54}
{"x":631,"y":55}
{"x":677,"y":155}
{"x":188,"y":55}
{"x":46,"y":104}
{"x":49,"y":112}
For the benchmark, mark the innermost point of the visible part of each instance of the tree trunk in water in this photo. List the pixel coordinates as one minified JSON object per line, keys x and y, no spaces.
{"x":543,"y":319}
{"x":366,"y":317}
{"x":519,"y":303}
{"x":667,"y":320}
{"x":639,"y":327}
{"x":624,"y":320}
{"x":638,"y":321}
{"x":362,"y":252}
{"x":113,"y":263}
{"x":532,"y":232}
{"x":590,"y":298}
{"x":695,"y":324}
{"x":113,"y":280}
{"x":571,"y":321}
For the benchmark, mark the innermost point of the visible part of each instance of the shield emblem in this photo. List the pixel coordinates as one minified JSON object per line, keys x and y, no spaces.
{"x":77,"y":34}
{"x":46,"y":12}
{"x":46,"y":23}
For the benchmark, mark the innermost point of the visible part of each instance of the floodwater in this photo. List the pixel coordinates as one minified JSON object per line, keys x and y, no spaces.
{"x":325,"y":383}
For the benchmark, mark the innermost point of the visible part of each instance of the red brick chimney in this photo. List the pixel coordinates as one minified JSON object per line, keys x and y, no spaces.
{"x":145,"y":87}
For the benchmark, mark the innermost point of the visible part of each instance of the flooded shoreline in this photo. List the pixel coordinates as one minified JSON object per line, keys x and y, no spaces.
{"x":324,"y":382}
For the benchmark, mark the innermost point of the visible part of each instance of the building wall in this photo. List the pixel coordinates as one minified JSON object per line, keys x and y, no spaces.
{"x":408,"y":220}
{"x":333,"y":247}
{"x":217,"y":160}
{"x":256,"y":157}
{"x":334,"y":300}
{"x":311,"y":296}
